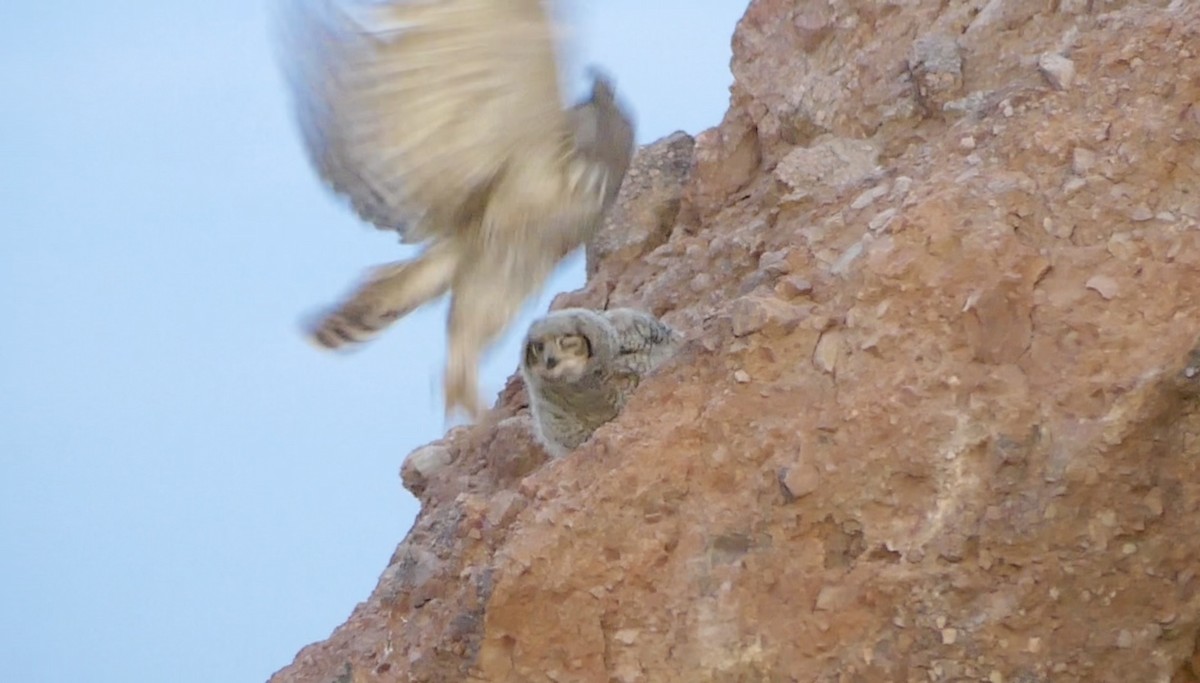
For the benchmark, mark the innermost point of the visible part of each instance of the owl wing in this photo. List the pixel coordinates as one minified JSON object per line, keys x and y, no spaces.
{"x":413,"y":109}
{"x":644,"y":341}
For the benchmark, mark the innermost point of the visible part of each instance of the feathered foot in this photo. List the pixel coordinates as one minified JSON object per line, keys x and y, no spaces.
{"x":389,"y":293}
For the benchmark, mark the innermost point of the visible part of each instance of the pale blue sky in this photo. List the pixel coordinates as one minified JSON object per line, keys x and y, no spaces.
{"x":189,"y":492}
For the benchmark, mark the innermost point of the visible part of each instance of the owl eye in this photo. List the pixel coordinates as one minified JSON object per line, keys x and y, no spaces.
{"x":533,"y":351}
{"x":537,"y":347}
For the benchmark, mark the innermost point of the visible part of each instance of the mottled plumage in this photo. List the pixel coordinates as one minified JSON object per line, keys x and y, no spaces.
{"x":580,"y":367}
{"x":442,"y":120}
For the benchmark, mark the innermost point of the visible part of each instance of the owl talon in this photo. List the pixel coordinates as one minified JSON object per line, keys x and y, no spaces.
{"x":349,"y":325}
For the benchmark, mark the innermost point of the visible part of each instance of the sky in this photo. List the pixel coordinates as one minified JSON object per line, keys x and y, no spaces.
{"x":189,"y":491}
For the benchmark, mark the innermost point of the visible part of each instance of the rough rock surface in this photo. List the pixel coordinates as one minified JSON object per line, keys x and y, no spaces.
{"x":939,"y":415}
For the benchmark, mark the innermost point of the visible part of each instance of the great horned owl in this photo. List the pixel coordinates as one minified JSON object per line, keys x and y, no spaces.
{"x":580,"y":367}
{"x":442,"y":120}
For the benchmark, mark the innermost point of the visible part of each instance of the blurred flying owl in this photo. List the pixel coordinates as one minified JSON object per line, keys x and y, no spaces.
{"x":443,"y":120}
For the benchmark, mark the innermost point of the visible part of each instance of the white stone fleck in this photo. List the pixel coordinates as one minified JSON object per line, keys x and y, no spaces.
{"x":843,"y":262}
{"x":1105,"y":287}
{"x":1124,"y":639}
{"x":1082,"y":160}
{"x":626,"y":636}
{"x":882,"y":220}
{"x":1073,"y":185}
{"x":1058,"y":70}
{"x":1141,"y":213}
{"x":868,"y":197}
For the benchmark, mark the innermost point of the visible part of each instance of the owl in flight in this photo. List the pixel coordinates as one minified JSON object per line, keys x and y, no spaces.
{"x":443,"y":121}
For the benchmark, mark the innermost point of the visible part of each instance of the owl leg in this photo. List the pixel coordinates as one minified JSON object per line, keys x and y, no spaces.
{"x":476,"y":319}
{"x":486,"y":299}
{"x":388,"y":293}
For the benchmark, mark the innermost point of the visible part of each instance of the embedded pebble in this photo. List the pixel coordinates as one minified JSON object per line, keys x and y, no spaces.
{"x":422,"y":464}
{"x":1082,"y":160}
{"x":626,"y":636}
{"x":882,"y":220}
{"x":793,"y":286}
{"x":1073,"y":185}
{"x":1058,"y":70}
{"x":867,"y":198}
{"x":800,"y":480}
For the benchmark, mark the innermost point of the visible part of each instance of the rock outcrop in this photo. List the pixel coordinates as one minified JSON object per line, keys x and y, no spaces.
{"x":938,"y":418}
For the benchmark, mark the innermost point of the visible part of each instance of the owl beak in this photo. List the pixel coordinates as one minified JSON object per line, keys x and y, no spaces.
{"x":551,"y":361}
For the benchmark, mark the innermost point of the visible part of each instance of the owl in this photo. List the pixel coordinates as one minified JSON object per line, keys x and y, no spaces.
{"x":442,"y":120}
{"x":580,"y":367}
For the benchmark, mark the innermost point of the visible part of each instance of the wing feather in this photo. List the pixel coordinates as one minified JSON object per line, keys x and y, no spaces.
{"x":413,"y":109}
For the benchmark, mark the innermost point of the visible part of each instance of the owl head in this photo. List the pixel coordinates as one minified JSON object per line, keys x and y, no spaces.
{"x":561,"y":346}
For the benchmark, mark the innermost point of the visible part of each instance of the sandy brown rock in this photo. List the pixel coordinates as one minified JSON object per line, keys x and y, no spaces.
{"x":941,"y":423}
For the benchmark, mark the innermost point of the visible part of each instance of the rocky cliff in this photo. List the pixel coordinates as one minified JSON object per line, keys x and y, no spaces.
{"x":939,"y":415}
